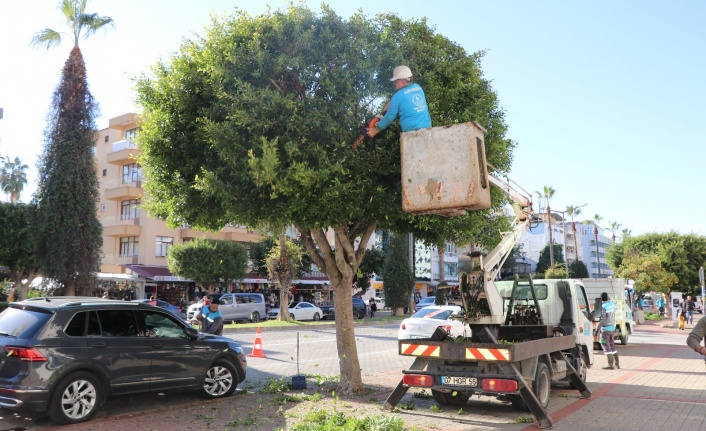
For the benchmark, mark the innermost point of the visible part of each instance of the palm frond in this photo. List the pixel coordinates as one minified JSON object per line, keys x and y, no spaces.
{"x":46,"y":38}
{"x":92,"y":23}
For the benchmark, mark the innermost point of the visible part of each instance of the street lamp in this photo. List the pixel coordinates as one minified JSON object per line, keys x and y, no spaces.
{"x":563,"y":232}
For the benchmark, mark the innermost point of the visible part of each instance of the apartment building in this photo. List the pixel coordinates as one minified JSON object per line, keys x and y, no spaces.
{"x":134,"y":243}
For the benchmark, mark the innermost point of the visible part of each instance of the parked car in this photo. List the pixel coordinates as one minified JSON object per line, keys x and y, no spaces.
{"x":648,"y":306}
{"x":425,"y":302}
{"x":167,"y":306}
{"x":424,"y":322}
{"x":67,"y":355}
{"x":359,"y":309}
{"x":235,"y":306}
{"x":698,"y":306}
{"x":299,"y":311}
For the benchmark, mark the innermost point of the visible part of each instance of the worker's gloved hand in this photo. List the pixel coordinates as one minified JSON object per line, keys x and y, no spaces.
{"x":372,"y":132}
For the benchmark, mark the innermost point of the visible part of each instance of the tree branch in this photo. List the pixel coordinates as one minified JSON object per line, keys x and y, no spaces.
{"x":308,"y":242}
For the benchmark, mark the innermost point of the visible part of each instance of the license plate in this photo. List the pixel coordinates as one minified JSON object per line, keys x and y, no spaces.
{"x":459,"y":381}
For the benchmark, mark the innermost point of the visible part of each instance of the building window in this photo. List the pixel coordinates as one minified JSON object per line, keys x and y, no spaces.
{"x":102,"y":207}
{"x":129,"y":246}
{"x":106,"y":138}
{"x":105,"y":172}
{"x":130,"y":210}
{"x":131,"y":134}
{"x":164,"y":243}
{"x":132,"y":173}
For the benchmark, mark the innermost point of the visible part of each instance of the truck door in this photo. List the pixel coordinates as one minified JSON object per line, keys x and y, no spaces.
{"x":584,"y":322}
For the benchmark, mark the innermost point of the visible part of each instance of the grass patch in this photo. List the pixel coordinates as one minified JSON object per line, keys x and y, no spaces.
{"x":523,"y":420}
{"x":393,"y":320}
{"x":436,"y":409}
{"x":652,"y":316}
{"x":322,"y":420}
{"x":409,"y":405}
{"x":275,"y":386}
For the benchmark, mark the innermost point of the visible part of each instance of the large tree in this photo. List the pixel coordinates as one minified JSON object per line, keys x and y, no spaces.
{"x":679,"y":254}
{"x":208,"y":262}
{"x":69,"y":234}
{"x":254,"y":122}
{"x":17,"y":244}
{"x":544,"y":261}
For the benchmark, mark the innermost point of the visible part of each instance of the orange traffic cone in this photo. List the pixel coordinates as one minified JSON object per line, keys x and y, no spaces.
{"x":257,"y":347}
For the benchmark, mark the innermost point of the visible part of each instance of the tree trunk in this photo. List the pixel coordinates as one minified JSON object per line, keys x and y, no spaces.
{"x":551,"y":239}
{"x":576,"y":241}
{"x":598,"y":256}
{"x":285,"y":283}
{"x":341,"y":263}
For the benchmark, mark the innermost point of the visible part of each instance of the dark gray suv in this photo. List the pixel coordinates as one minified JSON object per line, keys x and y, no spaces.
{"x":67,"y":355}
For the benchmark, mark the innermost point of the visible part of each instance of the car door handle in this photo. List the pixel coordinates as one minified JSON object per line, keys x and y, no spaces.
{"x":99,"y":346}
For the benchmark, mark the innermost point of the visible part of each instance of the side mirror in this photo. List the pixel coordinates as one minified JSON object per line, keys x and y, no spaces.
{"x":597,"y":310}
{"x":191,"y":333}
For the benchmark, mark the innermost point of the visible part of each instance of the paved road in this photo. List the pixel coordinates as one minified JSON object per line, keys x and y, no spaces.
{"x":661,"y":385}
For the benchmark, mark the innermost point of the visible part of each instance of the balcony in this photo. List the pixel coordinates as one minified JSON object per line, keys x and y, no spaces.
{"x":118,"y":227}
{"x":115,"y":191}
{"x":114,"y":259}
{"x":123,"y":151}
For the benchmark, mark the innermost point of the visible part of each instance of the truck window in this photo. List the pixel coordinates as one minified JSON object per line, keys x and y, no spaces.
{"x":524,"y":292}
{"x":582,"y":300}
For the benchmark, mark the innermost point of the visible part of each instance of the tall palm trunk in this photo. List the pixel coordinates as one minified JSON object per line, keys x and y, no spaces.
{"x":598,"y":256}
{"x":551,"y":239}
{"x":576,"y":242}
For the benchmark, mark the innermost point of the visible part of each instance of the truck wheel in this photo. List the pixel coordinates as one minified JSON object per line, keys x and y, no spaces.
{"x":541,"y":386}
{"x":454,"y":398}
{"x":624,"y":340}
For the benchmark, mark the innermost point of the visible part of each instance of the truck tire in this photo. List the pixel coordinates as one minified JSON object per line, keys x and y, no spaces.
{"x":624,"y":340}
{"x":541,"y":386}
{"x":454,"y":398}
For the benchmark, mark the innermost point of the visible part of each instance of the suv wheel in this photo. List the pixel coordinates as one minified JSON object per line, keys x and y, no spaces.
{"x":255,"y":317}
{"x":220,"y":380}
{"x":75,"y":399}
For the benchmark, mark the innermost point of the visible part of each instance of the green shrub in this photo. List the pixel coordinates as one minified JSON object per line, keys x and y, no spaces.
{"x":322,"y":420}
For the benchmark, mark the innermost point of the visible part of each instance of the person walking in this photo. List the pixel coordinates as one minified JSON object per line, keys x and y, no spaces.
{"x":607,"y":328}
{"x":409,"y":103}
{"x":682,"y":314}
{"x":373,"y":307}
{"x":661,"y":303}
{"x":690,"y":307}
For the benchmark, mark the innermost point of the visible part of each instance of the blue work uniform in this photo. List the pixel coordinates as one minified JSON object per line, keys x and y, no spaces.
{"x":411,"y":106}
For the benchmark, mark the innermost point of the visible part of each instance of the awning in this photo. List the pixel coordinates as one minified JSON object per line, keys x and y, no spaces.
{"x":156,"y":273}
{"x":116,"y":277}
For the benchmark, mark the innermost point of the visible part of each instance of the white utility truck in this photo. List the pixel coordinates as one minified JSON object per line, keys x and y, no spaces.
{"x":525,"y":334}
{"x":621,"y":294}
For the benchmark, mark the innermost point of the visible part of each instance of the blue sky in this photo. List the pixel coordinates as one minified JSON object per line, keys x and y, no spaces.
{"x":605,"y":99}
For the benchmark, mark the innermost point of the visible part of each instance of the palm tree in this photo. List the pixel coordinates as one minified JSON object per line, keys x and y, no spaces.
{"x":626,"y":233}
{"x":574,"y":211}
{"x":613,"y":227}
{"x":13,"y":178}
{"x":548,"y":194}
{"x":78,"y":21}
{"x":596,"y":219}
{"x":70,"y":140}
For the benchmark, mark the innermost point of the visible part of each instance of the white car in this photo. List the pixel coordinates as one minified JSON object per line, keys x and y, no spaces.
{"x":424,"y":322}
{"x":299,"y":311}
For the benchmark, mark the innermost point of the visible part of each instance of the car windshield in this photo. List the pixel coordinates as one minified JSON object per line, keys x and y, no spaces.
{"x":428,"y":300}
{"x":433,"y":313}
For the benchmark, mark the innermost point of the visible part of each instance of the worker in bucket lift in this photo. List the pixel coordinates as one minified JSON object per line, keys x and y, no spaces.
{"x":408,"y":102}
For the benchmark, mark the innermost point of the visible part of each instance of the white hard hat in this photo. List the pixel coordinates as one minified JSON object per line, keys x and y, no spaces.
{"x":401,"y":72}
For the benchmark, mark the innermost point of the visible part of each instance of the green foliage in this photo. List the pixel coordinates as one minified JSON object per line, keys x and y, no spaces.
{"x":543,"y":263}
{"x":680,"y":255}
{"x":652,"y":316}
{"x":13,"y":178}
{"x":578,"y":269}
{"x":69,"y":234}
{"x":79,"y":22}
{"x":258,"y":255}
{"x":207,"y":262}
{"x":277,"y":269}
{"x":275,"y":386}
{"x":17,"y":241}
{"x":324,"y":420}
{"x":397,"y":276}
{"x":423,"y":395}
{"x":647,"y":271}
{"x":373,"y":263}
{"x":556,"y":273}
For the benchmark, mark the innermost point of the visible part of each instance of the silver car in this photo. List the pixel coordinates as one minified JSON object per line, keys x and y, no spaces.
{"x":235,"y":306}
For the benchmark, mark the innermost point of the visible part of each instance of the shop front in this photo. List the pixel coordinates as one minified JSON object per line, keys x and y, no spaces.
{"x":161,"y":284}
{"x":119,"y":286}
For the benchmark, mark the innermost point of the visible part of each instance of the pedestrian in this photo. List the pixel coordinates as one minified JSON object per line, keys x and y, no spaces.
{"x":373,"y":307}
{"x":696,"y":336}
{"x":690,"y":306}
{"x":408,"y":102}
{"x":682,"y":314}
{"x":661,"y":304}
{"x":153,"y":301}
{"x":106,"y":296}
{"x":211,"y":318}
{"x":607,"y":327}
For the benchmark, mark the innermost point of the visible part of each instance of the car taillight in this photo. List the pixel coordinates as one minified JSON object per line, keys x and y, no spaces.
{"x":418,"y":380}
{"x":24,"y":354}
{"x":403,"y":326}
{"x":499,"y":385}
